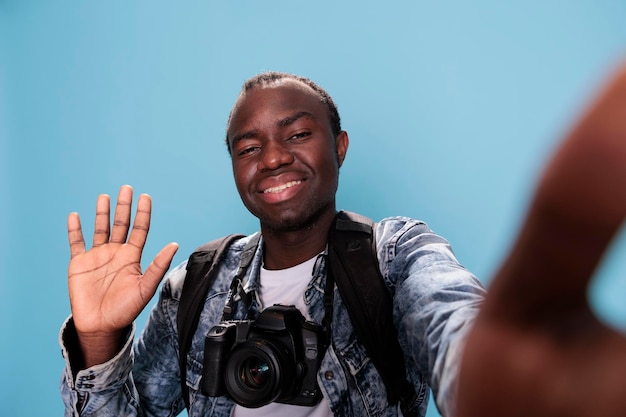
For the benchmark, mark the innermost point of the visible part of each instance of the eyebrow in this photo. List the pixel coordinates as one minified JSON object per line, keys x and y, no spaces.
{"x":246,"y":135}
{"x":293,"y":118}
{"x":289,"y":120}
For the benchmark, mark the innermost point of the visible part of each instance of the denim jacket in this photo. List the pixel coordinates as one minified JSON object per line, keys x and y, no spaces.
{"x":435,"y":299}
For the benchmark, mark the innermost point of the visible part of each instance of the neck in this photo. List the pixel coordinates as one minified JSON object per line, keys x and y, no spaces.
{"x":284,"y":249}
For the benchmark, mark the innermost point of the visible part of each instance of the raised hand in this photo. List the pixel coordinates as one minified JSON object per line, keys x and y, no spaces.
{"x":536,"y":348}
{"x":106,"y":285}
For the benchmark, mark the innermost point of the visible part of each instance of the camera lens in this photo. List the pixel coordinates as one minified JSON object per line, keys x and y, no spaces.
{"x":259,"y":372}
{"x":255,"y":372}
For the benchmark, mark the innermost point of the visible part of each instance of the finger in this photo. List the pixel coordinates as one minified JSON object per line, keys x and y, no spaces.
{"x":75,"y":235}
{"x":157,"y":269}
{"x":102,"y":227}
{"x":121,"y":220}
{"x":141,"y":226}
{"x":577,"y":208}
{"x":587,"y":176}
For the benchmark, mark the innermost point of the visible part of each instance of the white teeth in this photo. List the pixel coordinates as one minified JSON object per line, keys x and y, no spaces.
{"x":281,"y":187}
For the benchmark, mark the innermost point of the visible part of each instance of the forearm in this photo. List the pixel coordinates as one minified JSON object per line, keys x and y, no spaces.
{"x":435,"y":324}
{"x":436,"y":300}
{"x":102,"y":389}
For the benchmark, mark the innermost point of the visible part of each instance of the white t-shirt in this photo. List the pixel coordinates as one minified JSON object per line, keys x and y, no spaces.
{"x":286,"y":286}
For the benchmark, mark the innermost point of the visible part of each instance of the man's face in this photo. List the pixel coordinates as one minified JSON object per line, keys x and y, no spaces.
{"x":284,"y":155}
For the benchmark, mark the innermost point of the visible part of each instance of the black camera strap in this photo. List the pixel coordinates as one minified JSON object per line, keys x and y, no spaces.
{"x":236,"y":292}
{"x":200,"y":276}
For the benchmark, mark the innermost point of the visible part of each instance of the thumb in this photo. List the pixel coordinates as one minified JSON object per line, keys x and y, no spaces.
{"x":158,"y":267}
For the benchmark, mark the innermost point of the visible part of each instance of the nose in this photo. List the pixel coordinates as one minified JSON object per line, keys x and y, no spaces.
{"x":274,"y":155}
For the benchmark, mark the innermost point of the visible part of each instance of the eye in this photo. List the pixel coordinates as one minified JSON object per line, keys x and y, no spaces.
{"x":299,"y":136}
{"x":246,"y":150}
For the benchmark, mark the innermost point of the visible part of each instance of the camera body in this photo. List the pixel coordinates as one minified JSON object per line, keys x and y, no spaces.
{"x":272,"y":359}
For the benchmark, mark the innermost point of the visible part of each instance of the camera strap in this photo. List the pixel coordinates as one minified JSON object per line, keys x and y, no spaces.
{"x":237,"y":292}
{"x":200,"y":276}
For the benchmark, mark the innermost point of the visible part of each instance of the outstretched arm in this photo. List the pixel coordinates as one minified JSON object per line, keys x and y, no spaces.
{"x":537,"y":349}
{"x":106,"y":285}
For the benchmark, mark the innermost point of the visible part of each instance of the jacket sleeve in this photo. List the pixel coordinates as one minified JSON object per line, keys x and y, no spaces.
{"x":435,"y":301}
{"x":141,"y":380}
{"x":102,"y":390}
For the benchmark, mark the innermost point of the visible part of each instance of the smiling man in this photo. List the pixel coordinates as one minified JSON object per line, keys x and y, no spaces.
{"x":286,"y":156}
{"x":286,"y":144}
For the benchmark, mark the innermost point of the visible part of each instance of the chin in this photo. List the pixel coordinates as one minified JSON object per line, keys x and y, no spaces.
{"x":290,"y":221}
{"x":285,"y":224}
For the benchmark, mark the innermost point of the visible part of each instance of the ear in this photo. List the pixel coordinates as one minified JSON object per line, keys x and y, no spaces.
{"x":341,"y":143}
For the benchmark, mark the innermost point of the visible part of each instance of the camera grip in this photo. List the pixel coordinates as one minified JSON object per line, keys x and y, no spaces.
{"x":217,"y":345}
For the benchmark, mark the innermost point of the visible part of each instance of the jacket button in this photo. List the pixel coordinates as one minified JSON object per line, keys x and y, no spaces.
{"x":328,"y":375}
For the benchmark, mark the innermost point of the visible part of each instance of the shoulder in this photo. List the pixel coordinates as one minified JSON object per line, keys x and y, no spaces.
{"x":175,"y":278}
{"x":408,"y":240}
{"x":392,"y":229}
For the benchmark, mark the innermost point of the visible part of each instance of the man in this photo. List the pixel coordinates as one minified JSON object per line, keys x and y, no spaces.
{"x":287,"y":146}
{"x":537,"y":349}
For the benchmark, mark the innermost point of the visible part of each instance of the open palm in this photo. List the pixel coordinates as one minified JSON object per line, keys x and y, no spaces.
{"x":107,"y":287}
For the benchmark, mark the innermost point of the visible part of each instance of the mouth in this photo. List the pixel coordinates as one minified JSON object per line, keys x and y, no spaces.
{"x":282,"y":187}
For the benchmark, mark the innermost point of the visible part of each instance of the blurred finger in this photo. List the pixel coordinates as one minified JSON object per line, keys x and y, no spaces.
{"x":75,"y":235}
{"x":121,"y":220}
{"x":102,"y":227}
{"x":141,"y":226}
{"x":577,"y":208}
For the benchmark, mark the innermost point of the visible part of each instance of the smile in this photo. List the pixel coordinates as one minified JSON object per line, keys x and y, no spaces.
{"x":274,"y":190}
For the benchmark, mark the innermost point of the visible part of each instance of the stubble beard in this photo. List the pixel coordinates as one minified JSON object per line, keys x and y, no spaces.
{"x":295,"y":221}
{"x":291,"y":220}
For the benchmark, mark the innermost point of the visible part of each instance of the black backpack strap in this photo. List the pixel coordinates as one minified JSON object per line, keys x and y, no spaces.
{"x":199,"y":278}
{"x":353,"y":262}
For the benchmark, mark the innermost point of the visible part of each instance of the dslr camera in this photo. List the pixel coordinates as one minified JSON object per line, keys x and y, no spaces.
{"x":272,"y":359}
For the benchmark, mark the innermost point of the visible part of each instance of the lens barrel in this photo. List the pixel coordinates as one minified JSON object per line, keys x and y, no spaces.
{"x":259,"y":372}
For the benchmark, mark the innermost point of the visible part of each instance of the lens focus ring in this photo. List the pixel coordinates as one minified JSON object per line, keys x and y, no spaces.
{"x":259,"y":372}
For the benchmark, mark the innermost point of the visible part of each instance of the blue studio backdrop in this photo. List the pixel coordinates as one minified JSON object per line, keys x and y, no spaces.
{"x":452,"y":109}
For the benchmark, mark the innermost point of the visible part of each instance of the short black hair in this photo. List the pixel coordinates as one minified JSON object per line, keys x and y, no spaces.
{"x":270,"y":77}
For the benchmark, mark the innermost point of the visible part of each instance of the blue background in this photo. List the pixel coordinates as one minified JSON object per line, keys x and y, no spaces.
{"x":452,"y":108}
